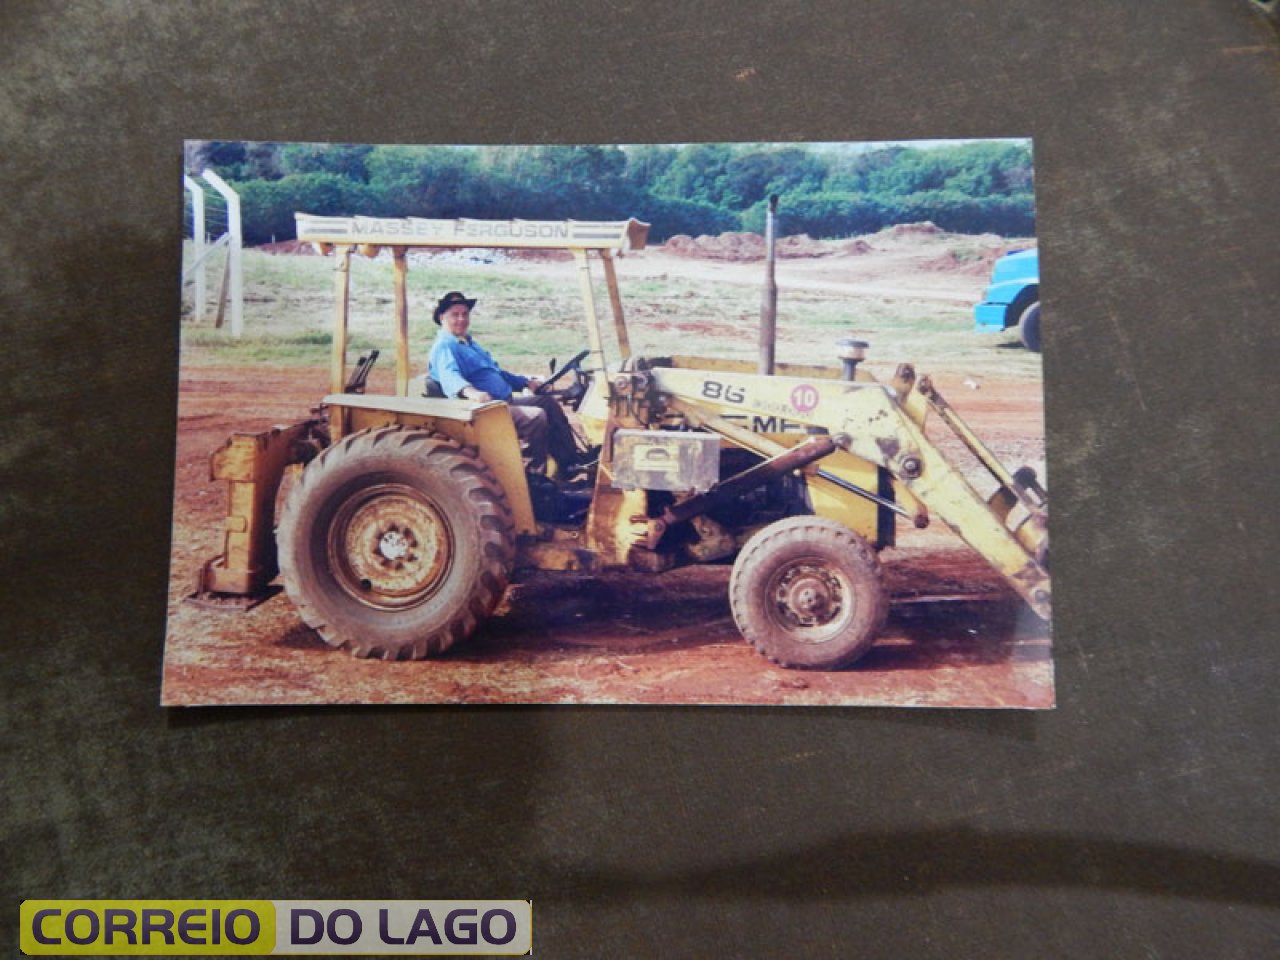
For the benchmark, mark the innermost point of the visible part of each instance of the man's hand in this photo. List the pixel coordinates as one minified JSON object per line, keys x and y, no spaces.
{"x":533,"y":384}
{"x":480,"y":396}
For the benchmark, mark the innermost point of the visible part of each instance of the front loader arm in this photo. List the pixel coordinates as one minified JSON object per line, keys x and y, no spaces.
{"x":885,"y":427}
{"x":878,"y":427}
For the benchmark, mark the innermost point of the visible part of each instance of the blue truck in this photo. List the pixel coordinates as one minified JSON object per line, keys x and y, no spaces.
{"x":1013,"y":298}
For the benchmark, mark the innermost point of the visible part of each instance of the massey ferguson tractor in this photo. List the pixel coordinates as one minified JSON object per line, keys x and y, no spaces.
{"x":409,"y":513}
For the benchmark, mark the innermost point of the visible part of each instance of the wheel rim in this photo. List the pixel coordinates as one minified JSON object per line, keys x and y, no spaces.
{"x":811,"y":600}
{"x":389,"y":546}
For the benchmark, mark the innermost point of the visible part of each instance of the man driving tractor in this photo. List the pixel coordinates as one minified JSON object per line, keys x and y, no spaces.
{"x":466,"y":370}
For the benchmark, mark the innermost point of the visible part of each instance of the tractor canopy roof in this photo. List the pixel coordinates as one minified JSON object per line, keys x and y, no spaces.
{"x":326,"y":233}
{"x":343,"y":236}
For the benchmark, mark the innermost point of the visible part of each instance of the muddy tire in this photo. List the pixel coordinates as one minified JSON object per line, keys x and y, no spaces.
{"x":395,"y":543}
{"x":808,"y":592}
{"x":1029,"y":327}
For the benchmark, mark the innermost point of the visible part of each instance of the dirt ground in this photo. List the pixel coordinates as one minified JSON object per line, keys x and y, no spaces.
{"x":957,"y":636}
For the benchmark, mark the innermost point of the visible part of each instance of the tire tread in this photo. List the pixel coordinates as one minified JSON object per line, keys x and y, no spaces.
{"x":494,"y":525}
{"x":805,"y":529}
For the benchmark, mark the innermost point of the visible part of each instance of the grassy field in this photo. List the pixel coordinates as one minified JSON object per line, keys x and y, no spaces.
{"x":530,"y":312}
{"x":289,"y":311}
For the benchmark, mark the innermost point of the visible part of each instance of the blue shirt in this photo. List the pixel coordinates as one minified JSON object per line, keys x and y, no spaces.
{"x":461,"y":362}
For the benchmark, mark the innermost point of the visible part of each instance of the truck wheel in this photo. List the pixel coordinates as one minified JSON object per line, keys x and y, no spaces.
{"x":1029,"y":327}
{"x":395,"y":543}
{"x":808,"y":592}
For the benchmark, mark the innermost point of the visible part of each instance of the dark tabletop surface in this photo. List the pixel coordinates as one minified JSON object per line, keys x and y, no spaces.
{"x":1137,"y":820}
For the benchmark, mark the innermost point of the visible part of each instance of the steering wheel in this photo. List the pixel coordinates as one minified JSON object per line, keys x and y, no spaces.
{"x":546,"y":385}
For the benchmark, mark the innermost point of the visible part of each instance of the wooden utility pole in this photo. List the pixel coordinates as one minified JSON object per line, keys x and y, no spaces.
{"x":769,"y":301}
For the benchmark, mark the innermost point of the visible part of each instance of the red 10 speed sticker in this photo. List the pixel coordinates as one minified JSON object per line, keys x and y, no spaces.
{"x":804,"y":397}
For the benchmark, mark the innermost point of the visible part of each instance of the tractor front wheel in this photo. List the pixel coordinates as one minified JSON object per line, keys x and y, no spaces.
{"x":808,"y":592}
{"x":395,"y":543}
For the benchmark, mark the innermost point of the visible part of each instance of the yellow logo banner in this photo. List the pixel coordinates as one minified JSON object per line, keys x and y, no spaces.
{"x":97,"y":928}
{"x":210,"y":928}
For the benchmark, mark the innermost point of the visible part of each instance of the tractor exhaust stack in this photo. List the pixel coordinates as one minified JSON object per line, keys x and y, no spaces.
{"x":769,"y":301}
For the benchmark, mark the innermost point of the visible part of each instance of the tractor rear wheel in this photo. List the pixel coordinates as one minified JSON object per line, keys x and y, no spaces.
{"x":395,"y":543}
{"x":808,"y":592}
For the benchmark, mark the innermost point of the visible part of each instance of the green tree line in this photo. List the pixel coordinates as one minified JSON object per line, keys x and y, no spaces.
{"x":824,"y":190}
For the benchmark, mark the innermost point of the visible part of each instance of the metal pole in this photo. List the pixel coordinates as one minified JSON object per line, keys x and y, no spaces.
{"x":769,"y":302}
{"x":342,"y":289}
{"x":236,"y":244}
{"x":402,"y":321}
{"x":594,"y":340}
{"x":197,"y":236}
{"x":615,"y":302}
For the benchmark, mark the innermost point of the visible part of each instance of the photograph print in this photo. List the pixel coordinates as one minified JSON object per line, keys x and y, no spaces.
{"x":720,"y":423}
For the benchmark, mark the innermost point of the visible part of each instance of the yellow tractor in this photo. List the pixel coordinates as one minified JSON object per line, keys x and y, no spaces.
{"x":409,"y":513}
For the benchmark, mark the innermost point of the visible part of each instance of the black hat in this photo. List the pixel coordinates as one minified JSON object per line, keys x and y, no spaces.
{"x":447,"y":301}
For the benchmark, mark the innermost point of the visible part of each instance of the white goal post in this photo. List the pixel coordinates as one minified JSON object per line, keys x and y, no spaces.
{"x":232,"y":284}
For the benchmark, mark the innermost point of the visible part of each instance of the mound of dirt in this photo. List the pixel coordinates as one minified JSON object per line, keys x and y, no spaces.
{"x":970,"y":262}
{"x":803,"y":245}
{"x":973,"y":261}
{"x":742,"y":247}
{"x":735,"y":247}
{"x":856,"y":247}
{"x":926,"y":228}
